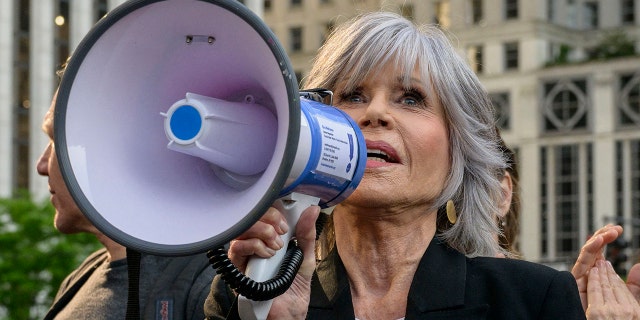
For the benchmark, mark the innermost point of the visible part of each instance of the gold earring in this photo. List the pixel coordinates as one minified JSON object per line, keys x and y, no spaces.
{"x":451,"y":212}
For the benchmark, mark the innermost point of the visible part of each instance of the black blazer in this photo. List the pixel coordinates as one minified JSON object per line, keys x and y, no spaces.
{"x":447,"y":285}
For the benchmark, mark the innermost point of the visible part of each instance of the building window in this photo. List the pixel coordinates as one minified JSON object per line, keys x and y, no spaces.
{"x":620,"y":176}
{"x":589,"y":189}
{"x":628,"y":15}
{"x":511,"y":56}
{"x":328,"y":29}
{"x":511,"y":9}
{"x":100,"y":7}
{"x":267,"y":5}
{"x":475,"y":57}
{"x":476,"y":11}
{"x":629,"y":105}
{"x":61,"y":40}
{"x":295,"y":39}
{"x":567,"y":195}
{"x":566,"y":178}
{"x":502,"y":109}
{"x":22,"y":166}
{"x":565,"y":106}
{"x":544,"y":203}
{"x":591,"y":15}
{"x":295,"y":3}
{"x":634,"y":176}
{"x":628,"y":189}
{"x":442,"y":14}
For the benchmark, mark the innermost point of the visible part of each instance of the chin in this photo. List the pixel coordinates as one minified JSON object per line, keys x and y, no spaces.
{"x":65,"y":225}
{"x":367,"y":196}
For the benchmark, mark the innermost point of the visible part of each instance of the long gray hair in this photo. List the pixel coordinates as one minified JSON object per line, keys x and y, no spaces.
{"x":359,"y":48}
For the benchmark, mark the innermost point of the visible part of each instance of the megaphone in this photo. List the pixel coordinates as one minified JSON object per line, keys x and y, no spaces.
{"x":179,"y":122}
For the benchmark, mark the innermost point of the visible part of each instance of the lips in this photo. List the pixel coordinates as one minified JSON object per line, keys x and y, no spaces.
{"x":380,"y":151}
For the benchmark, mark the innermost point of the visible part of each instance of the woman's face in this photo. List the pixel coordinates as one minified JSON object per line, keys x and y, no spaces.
{"x":407,"y":140}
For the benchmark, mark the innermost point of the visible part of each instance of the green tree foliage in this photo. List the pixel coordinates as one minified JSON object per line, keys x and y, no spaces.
{"x":562,"y":57}
{"x":614,"y":44}
{"x":34,"y":256}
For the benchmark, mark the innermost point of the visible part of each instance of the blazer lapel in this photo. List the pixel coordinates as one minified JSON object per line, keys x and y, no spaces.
{"x":439,"y":281}
{"x":438,"y":287}
{"x":330,"y":293}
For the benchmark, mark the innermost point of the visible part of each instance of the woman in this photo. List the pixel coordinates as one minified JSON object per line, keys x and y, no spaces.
{"x":429,"y":130}
{"x":509,"y":213}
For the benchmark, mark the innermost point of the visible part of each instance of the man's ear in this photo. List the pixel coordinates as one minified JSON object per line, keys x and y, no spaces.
{"x":507,"y":192}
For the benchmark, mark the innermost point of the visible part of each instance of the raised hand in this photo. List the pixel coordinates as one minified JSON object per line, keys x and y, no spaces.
{"x":263,"y":239}
{"x":608,"y":295}
{"x":633,"y":281}
{"x":591,"y":252}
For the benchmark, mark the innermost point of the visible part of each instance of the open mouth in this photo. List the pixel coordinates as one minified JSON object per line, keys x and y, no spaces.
{"x":380,"y":156}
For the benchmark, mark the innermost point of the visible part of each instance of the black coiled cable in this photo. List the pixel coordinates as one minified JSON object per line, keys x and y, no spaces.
{"x":258,"y":291}
{"x":267,"y":290}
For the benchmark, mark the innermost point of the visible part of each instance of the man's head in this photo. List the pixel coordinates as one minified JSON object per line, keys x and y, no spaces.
{"x":68,"y":217}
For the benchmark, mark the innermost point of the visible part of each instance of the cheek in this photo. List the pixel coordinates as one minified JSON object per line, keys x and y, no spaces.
{"x":55,"y":174}
{"x":432,"y":151}
{"x":353,"y":113}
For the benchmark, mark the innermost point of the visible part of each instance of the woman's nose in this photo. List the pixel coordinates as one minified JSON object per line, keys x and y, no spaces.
{"x":376,"y":114}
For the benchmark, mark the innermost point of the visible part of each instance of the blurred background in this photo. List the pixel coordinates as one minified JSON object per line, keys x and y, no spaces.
{"x":564,"y":76}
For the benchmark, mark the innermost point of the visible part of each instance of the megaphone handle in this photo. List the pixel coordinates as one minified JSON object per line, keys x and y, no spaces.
{"x":262,"y":269}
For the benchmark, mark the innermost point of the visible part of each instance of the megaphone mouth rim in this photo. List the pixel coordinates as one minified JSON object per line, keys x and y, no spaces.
{"x":60,"y":135}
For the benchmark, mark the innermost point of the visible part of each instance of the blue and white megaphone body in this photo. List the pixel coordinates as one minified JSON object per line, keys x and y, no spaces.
{"x":178,"y":123}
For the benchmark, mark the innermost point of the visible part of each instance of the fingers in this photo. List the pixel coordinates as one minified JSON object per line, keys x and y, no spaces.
{"x":594,"y":287}
{"x":633,"y":281}
{"x":588,"y":255}
{"x":586,"y":260}
{"x":608,"y":296}
{"x":614,"y":288}
{"x":262,"y":239}
{"x":306,"y":237}
{"x":268,"y":229}
{"x":593,"y":249}
{"x":294,"y":303}
{"x":627,"y":307}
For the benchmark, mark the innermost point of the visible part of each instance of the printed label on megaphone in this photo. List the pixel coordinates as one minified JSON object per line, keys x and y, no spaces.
{"x":333,"y":151}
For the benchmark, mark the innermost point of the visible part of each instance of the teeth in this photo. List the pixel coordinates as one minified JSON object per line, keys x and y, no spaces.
{"x":377,"y":155}
{"x":377,"y":152}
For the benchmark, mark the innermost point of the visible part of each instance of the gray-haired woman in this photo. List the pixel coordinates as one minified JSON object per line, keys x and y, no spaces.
{"x":391,"y":250}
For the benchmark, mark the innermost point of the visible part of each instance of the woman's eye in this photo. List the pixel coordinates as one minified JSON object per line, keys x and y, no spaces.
{"x":412,"y":98}
{"x":410,"y":101}
{"x":353,"y":97}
